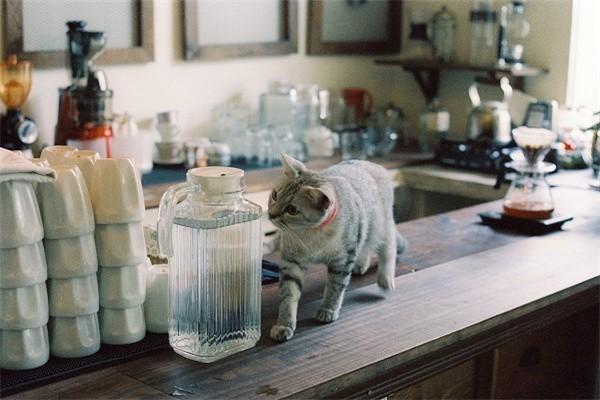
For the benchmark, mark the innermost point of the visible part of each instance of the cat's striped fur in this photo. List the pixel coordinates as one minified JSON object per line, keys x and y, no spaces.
{"x":337,"y":218}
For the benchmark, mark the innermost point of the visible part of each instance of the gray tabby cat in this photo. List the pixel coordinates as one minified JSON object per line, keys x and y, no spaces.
{"x":338,"y":218}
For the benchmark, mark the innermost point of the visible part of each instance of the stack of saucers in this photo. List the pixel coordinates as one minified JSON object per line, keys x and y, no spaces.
{"x":72,"y":264}
{"x":23,"y":296}
{"x":119,"y":210}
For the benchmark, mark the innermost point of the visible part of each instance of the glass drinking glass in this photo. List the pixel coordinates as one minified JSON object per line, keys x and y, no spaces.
{"x":354,"y":144}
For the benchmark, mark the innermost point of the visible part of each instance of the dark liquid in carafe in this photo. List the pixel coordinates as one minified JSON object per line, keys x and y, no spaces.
{"x":528,"y":210}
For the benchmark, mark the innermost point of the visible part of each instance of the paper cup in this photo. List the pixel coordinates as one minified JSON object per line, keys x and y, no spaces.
{"x":117,"y":192}
{"x":65,"y":204}
{"x":24,"y":307}
{"x":120,"y":244}
{"x":55,"y":155}
{"x":123,"y":287}
{"x":20,"y":220}
{"x":71,"y":257}
{"x":24,"y":349}
{"x":73,"y":297}
{"x":22,"y":266}
{"x":73,"y":337}
{"x":85,"y":160}
{"x":122,"y":326}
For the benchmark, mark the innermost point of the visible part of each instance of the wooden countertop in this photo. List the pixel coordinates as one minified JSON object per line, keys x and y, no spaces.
{"x":485,"y":285}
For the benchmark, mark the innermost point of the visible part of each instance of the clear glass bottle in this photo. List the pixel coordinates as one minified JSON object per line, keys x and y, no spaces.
{"x":514,"y":27}
{"x":434,"y":123}
{"x":213,"y":239}
{"x":529,"y":194}
{"x":443,"y":34}
{"x":483,"y":33}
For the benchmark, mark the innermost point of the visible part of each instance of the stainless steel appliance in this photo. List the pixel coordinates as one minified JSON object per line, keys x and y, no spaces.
{"x":489,"y":121}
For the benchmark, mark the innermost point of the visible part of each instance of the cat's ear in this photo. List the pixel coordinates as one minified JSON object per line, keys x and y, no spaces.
{"x":319,"y":198}
{"x":292,"y":167}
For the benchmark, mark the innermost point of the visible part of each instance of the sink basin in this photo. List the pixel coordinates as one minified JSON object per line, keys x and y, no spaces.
{"x":412,"y":203}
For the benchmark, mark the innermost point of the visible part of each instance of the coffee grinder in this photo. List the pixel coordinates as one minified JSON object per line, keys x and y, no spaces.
{"x":17,"y":132}
{"x":85,"y":106}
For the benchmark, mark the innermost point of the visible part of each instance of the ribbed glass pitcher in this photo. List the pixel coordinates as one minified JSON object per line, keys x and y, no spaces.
{"x":213,"y":238}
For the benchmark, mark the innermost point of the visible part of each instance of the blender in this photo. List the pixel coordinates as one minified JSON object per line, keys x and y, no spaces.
{"x":529,"y":195}
{"x":85,"y":106}
{"x":17,"y":132}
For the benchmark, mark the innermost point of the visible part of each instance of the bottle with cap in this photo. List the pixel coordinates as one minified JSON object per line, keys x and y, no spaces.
{"x":212,"y":236}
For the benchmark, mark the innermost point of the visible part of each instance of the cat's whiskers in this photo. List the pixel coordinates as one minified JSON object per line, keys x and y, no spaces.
{"x":287,"y":229}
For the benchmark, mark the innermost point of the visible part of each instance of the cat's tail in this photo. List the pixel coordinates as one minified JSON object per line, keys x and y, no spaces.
{"x":401,"y":243}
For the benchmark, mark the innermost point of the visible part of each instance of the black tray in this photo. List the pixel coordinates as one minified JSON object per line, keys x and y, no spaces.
{"x":527,"y":226}
{"x":61,"y":368}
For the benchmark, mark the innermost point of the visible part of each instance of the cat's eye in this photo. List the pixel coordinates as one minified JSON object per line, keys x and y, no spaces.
{"x":291,"y":210}
{"x":274,"y":195}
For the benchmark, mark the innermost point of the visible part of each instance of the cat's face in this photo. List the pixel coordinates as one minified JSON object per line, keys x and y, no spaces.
{"x":300,"y":199}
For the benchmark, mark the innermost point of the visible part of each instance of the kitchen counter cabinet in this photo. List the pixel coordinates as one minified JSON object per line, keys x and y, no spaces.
{"x":455,"y":328}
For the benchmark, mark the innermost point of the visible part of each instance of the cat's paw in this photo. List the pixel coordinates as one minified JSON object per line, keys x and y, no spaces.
{"x":280,"y":333}
{"x":386,"y":283}
{"x":325,"y":315}
{"x":360,"y":269}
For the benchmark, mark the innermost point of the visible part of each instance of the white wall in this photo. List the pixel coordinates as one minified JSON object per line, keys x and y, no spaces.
{"x":194,"y":88}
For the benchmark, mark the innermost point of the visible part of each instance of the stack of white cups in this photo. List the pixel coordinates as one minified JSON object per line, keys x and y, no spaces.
{"x":23,"y":296}
{"x":118,"y":204}
{"x":72,"y":264}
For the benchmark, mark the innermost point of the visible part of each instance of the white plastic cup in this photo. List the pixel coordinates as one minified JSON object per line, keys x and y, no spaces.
{"x":74,"y":296}
{"x":65,"y":204}
{"x":55,"y":155}
{"x":74,"y":337}
{"x":22,"y":266}
{"x":24,"y":307}
{"x":116,"y":192}
{"x":122,"y":287}
{"x":122,"y":326}
{"x":120,"y":244}
{"x":24,"y":349}
{"x":156,"y":307}
{"x":71,"y":257}
{"x":20,"y":219}
{"x":85,"y":160}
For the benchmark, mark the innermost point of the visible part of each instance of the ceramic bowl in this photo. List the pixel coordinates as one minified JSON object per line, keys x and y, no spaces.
{"x":65,"y":204}
{"x":55,"y":155}
{"x":156,"y":306}
{"x":73,"y":297}
{"x":117,"y":192}
{"x":120,"y":244}
{"x":85,"y":160}
{"x":20,"y":219}
{"x":122,"y":326}
{"x":24,"y":349}
{"x":22,"y":266}
{"x":71,"y":257}
{"x":24,"y":307}
{"x":122,"y":287}
{"x":73,"y":337}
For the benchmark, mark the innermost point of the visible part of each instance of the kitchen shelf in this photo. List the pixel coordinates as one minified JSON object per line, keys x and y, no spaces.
{"x":427,"y":72}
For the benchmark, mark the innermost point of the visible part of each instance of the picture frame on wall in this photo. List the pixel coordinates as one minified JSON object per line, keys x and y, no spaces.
{"x":354,"y":27}
{"x":262,"y":28}
{"x":36,"y":30}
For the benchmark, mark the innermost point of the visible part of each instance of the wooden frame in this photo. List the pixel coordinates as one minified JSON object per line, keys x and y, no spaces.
{"x":194,"y":51}
{"x":314,"y":45}
{"x":13,"y":39}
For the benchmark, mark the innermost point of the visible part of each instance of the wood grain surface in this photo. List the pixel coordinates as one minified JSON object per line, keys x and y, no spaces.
{"x":483,"y":281}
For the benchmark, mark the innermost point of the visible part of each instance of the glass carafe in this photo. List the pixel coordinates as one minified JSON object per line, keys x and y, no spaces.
{"x":529,"y":194}
{"x":213,"y":238}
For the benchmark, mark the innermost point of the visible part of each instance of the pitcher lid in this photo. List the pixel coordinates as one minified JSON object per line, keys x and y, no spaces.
{"x":217,"y":179}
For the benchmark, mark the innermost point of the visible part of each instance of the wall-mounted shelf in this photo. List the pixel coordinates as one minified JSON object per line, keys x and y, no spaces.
{"x":427,"y":72}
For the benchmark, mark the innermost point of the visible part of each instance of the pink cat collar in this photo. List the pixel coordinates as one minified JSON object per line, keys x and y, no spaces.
{"x":331,"y":214}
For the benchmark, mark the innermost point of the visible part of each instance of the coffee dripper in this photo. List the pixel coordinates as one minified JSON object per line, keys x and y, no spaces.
{"x":17,"y":131}
{"x":529,"y":194}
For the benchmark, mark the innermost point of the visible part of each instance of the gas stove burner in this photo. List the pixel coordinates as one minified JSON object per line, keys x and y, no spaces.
{"x":473,"y":155}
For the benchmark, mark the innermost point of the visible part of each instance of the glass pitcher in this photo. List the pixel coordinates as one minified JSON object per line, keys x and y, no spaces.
{"x":213,"y":238}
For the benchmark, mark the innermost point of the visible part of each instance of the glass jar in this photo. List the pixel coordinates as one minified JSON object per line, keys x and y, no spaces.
{"x":213,"y":239}
{"x":483,"y":33}
{"x":443,"y":34}
{"x":529,"y":194}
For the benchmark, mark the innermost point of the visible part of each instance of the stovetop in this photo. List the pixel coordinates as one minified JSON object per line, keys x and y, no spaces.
{"x":478,"y":156}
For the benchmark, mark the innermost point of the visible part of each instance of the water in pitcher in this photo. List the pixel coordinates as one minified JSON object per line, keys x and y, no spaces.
{"x":215,"y":288}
